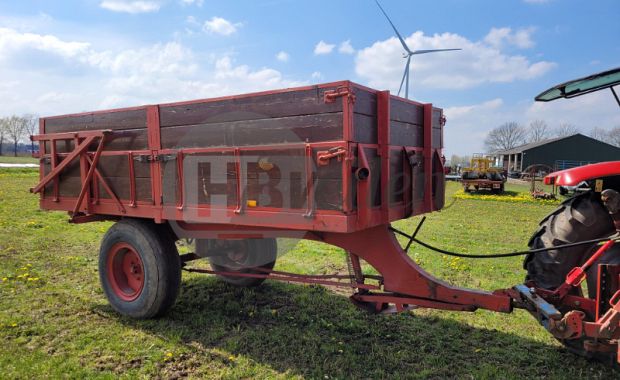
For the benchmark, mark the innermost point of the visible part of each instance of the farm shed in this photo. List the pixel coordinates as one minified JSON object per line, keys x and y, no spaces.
{"x":559,"y":153}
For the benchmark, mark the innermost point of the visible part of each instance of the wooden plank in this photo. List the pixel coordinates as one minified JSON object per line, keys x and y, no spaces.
{"x":113,"y":166}
{"x":294,"y":103}
{"x":397,"y":180}
{"x":365,"y":128}
{"x":294,"y":129}
{"x":406,"y":112}
{"x":129,"y":139}
{"x":70,"y":187}
{"x":365,"y":102}
{"x":406,"y":134}
{"x":129,"y":119}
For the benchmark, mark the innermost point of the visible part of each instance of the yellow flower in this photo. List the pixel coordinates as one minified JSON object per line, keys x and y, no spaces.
{"x":169,"y":354}
{"x":13,"y":324}
{"x":4,"y":279}
{"x":231,"y":358}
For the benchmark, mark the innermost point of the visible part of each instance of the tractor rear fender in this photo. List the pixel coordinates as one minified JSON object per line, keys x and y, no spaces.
{"x":574,"y":176}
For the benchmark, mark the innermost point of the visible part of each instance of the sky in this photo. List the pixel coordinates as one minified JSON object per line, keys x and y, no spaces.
{"x":71,"y":56}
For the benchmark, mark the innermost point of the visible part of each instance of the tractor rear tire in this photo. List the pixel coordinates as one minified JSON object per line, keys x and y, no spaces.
{"x":579,"y":218}
{"x":139,"y":268}
{"x":246,"y":256}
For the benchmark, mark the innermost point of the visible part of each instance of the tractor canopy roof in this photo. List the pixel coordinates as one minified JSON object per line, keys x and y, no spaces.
{"x":582,"y":86}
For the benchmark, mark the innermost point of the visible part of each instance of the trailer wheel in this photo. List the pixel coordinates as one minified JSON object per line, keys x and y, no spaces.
{"x":139,"y":268}
{"x":579,"y":218}
{"x":242,"y":256}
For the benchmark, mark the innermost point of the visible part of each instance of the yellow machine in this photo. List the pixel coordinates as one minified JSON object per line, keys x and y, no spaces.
{"x":482,"y":175}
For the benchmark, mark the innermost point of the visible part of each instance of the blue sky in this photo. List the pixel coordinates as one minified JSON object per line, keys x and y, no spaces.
{"x":58,"y":57}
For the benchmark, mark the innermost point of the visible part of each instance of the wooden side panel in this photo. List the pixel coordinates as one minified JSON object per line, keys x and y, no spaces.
{"x":294,"y":103}
{"x":129,"y":139}
{"x":115,"y":169}
{"x":271,"y":178}
{"x":124,"y":119}
{"x":292,"y":129}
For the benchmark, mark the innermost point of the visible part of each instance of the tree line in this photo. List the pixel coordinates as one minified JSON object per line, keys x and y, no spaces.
{"x":513,"y":134}
{"x":14,"y":129}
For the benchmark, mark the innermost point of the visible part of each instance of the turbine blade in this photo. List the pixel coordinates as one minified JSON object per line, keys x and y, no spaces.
{"x":402,"y":41}
{"x":431,"y":51}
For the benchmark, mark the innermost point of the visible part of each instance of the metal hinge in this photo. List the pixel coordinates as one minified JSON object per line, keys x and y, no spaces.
{"x":330,"y":96}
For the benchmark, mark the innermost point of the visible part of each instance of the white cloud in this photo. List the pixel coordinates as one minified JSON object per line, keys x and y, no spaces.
{"x":323,"y":48}
{"x":12,"y":41}
{"x":219,"y":25}
{"x":130,"y":6}
{"x":479,"y":62}
{"x":586,"y":112}
{"x":522,"y":38}
{"x":467,"y":125}
{"x":89,"y":78}
{"x":346,"y":47}
{"x":283,"y":56}
{"x":316,"y":75}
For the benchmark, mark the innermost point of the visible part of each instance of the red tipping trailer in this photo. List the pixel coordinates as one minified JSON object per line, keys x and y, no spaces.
{"x":290,"y":159}
{"x":335,"y":162}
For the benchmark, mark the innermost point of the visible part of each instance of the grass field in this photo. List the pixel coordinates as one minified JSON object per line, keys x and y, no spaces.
{"x":18,"y":160}
{"x":55,"y":321}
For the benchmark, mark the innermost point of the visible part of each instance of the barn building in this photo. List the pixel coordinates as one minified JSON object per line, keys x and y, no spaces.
{"x":558,"y":153}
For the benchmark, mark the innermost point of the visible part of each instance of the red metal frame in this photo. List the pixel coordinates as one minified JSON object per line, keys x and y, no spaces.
{"x":598,"y":331}
{"x":574,"y":176}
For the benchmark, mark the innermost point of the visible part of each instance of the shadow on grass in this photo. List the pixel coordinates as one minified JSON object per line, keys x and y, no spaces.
{"x":312,"y":332}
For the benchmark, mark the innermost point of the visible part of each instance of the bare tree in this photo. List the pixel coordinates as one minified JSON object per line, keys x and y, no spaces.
{"x":506,"y":136}
{"x":3,"y":132}
{"x":538,"y":131}
{"x":614,"y":136}
{"x":30,"y":127}
{"x":600,"y":134}
{"x":566,"y":129}
{"x":15,"y":129}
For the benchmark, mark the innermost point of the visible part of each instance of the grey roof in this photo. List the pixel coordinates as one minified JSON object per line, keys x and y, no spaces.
{"x":524,"y":147}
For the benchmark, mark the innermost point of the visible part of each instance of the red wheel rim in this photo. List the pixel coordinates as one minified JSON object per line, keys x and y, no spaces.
{"x":125,"y":271}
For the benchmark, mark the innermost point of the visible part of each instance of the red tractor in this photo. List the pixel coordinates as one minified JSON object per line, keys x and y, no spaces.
{"x":335,"y":163}
{"x":587,"y":216}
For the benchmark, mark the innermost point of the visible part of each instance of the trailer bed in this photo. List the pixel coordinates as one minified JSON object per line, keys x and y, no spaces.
{"x":332,"y":157}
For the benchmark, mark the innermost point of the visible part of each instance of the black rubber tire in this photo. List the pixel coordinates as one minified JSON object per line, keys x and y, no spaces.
{"x":579,"y":218}
{"x":261,"y":253}
{"x":161,"y":267}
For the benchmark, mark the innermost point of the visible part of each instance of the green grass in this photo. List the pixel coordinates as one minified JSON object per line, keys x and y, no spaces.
{"x":18,"y":160}
{"x":60,"y":325}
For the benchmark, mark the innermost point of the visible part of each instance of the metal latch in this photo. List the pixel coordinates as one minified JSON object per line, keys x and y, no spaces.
{"x":165,"y":157}
{"x":330,"y":96}
{"x":154,"y":157}
{"x":324,"y":156}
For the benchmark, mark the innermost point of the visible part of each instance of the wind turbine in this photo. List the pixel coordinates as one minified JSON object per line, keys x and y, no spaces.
{"x":407,"y":54}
